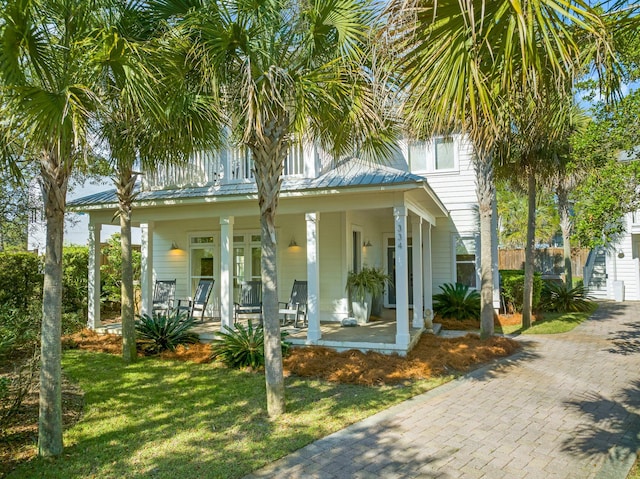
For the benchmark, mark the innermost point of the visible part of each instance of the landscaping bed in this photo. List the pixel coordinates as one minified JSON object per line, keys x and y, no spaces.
{"x":433,"y":361}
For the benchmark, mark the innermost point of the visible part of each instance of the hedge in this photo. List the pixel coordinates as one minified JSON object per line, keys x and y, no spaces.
{"x":512,"y":288}
{"x":20,"y":279}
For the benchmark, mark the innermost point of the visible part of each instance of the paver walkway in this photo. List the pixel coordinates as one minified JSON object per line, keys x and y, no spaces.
{"x":567,"y":407}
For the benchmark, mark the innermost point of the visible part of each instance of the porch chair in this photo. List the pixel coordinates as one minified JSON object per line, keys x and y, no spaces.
{"x":199,"y":302}
{"x":297,"y":304}
{"x":250,"y":300}
{"x":163,"y":296}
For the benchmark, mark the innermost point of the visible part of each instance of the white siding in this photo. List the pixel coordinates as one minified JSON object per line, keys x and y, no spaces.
{"x":624,"y":268}
{"x":332,"y":254}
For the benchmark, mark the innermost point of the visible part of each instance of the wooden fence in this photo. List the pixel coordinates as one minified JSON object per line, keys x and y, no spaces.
{"x":548,"y":261}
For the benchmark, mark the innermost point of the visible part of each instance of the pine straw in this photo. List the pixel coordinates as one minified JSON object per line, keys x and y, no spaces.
{"x":453,"y":324}
{"x":432,"y":356}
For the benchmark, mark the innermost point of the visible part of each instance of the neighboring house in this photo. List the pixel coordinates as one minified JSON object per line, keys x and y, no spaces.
{"x":202,"y":221}
{"x":76,"y":225}
{"x":613,"y":272}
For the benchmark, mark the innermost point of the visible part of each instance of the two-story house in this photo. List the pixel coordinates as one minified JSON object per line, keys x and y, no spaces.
{"x":415,"y":217}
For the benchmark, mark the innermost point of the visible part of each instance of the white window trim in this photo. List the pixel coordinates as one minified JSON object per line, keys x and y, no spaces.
{"x":454,"y":256}
{"x":247,"y":244}
{"x":430,"y":147}
{"x":212,"y":307}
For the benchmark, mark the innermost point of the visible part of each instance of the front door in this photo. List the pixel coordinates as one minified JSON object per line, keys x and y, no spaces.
{"x":390,"y":295}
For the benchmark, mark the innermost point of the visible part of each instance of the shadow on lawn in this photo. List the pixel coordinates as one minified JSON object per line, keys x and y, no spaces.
{"x":166,"y":419}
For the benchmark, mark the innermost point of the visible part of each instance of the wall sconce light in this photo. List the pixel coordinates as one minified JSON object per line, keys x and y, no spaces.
{"x":620,"y":254}
{"x":367,"y":244}
{"x":292,"y":243}
{"x":174,"y":246}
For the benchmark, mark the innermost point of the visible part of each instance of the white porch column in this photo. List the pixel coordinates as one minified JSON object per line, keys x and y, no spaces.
{"x":93,"y":300}
{"x":402,"y":277}
{"x":313,"y":278}
{"x":427,"y":268}
{"x":226,"y":273}
{"x":494,"y":253}
{"x":146,"y":267}
{"x":418,"y":308}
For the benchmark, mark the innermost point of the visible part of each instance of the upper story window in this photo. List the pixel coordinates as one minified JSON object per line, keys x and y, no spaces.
{"x":437,"y":155}
{"x":444,"y":154}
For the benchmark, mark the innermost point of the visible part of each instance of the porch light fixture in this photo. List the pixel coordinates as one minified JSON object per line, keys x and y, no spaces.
{"x":367,"y":244}
{"x":174,"y":246}
{"x":292,"y":243}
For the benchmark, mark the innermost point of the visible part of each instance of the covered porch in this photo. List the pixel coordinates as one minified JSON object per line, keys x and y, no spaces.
{"x":351,"y":217}
{"x":378,"y":334}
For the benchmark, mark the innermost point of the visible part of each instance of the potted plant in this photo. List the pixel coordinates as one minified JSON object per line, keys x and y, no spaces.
{"x":362,"y":287}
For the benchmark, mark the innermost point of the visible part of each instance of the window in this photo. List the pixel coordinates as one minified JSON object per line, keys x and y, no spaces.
{"x":418,"y":156}
{"x":444,"y":157}
{"x":432,"y":156}
{"x":466,"y":261}
{"x":247,"y":255}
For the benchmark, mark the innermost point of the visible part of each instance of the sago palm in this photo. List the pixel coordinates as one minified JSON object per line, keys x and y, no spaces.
{"x":286,"y":71}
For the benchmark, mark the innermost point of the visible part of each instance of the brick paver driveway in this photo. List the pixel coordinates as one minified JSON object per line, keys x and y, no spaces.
{"x":568,"y":406}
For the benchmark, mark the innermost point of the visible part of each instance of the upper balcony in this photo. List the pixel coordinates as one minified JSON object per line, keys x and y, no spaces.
{"x":233,"y":165}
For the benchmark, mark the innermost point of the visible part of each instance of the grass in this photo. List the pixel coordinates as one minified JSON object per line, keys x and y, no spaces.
{"x":551,"y":323}
{"x":172,"y":419}
{"x":635,"y":471}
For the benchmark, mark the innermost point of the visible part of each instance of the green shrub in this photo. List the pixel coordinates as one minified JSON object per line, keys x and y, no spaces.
{"x":243,"y":347}
{"x":20,"y":279}
{"x":75,"y":279}
{"x":512,"y":288}
{"x":111,"y":271}
{"x":166,"y":331}
{"x":19,"y":328}
{"x":457,"y":301}
{"x":559,"y":298}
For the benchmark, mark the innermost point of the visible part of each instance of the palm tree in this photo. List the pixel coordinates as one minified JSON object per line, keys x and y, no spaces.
{"x":287,"y":71}
{"x":464,"y":62}
{"x":47,"y":104}
{"x":540,"y":129}
{"x":143,"y":123}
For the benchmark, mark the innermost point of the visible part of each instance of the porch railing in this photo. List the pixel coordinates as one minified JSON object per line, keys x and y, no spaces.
{"x":232,"y":165}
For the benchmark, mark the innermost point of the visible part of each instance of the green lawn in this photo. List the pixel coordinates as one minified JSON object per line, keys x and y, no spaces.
{"x":164,"y":419}
{"x":635,"y":471}
{"x":551,"y":323}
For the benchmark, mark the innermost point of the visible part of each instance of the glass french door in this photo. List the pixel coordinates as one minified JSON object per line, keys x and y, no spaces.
{"x":203,"y":264}
{"x":247,"y":253}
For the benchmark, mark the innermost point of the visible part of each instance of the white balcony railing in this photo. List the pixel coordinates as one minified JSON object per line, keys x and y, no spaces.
{"x":233,"y":165}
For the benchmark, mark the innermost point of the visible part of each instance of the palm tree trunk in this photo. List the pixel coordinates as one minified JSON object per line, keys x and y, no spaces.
{"x":54,"y":190}
{"x":529,"y":265}
{"x":269,"y":152}
{"x":485,"y":186}
{"x":565,"y":226}
{"x":125,"y":193}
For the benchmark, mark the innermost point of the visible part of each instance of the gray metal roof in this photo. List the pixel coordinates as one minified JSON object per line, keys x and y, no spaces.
{"x":353,"y":173}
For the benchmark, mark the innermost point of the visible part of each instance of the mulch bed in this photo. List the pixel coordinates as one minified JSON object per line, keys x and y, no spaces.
{"x":432,"y":356}
{"x":474,"y":325}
